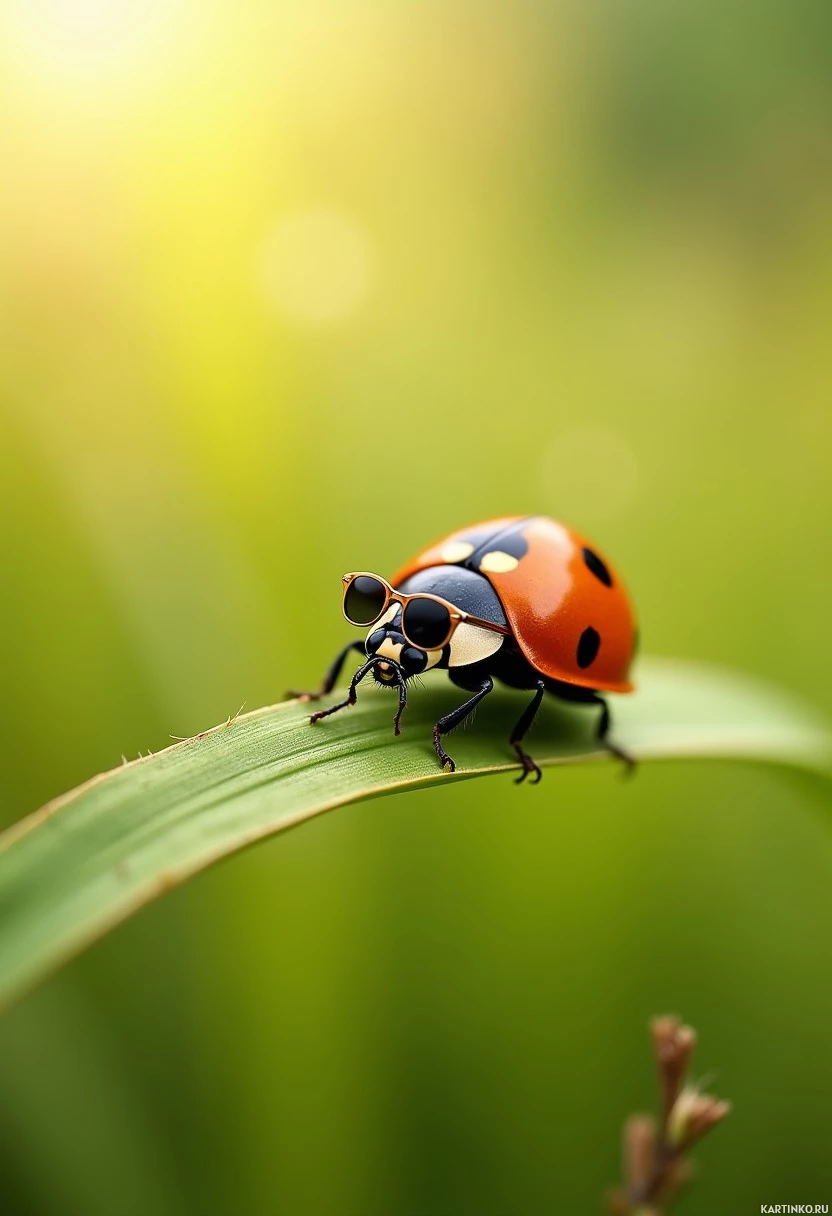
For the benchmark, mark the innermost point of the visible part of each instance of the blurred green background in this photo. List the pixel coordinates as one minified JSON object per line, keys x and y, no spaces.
{"x":293,"y":288}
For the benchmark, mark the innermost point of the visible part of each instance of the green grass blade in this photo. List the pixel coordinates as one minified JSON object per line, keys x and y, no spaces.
{"x":86,"y":861}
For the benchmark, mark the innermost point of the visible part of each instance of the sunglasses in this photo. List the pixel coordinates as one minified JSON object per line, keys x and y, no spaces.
{"x":428,"y":622}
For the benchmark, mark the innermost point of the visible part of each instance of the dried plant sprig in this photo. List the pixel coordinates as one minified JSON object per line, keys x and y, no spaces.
{"x":655,"y":1164}
{"x":673,"y":1046}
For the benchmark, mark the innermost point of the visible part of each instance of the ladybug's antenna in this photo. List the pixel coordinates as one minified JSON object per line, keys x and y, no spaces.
{"x":398,"y":677}
{"x":402,"y":683}
{"x":394,"y":673}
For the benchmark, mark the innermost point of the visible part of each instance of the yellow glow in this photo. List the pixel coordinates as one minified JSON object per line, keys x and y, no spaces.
{"x":87,"y":40}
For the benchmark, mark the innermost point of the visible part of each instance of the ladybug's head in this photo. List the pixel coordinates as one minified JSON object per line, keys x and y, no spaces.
{"x":398,"y":657}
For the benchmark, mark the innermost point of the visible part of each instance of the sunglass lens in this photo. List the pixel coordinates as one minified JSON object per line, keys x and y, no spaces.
{"x":426,"y":623}
{"x":365,"y":599}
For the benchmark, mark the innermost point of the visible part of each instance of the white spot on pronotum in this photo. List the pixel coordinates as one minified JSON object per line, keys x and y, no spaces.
{"x":498,"y":562}
{"x":471,"y":644}
{"x":316,"y":266}
{"x":457,"y":551}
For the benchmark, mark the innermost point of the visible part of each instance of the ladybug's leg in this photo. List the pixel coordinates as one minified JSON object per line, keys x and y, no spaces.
{"x":603,"y":730}
{"x":351,"y":695}
{"x":454,"y":718}
{"x":528,"y":716}
{"x":331,"y":676}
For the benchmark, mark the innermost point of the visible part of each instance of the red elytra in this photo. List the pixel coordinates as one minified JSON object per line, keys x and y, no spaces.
{"x":555,"y":590}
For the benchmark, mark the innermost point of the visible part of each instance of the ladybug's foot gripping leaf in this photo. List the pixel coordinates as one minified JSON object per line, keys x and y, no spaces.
{"x":444,"y":759}
{"x":528,"y":764}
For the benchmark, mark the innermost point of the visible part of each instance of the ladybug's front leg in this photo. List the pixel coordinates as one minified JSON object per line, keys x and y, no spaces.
{"x":528,"y":716}
{"x":351,"y":695}
{"x":331,"y":677}
{"x":454,"y":718}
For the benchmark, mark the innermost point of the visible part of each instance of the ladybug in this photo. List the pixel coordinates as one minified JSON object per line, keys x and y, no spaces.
{"x":522,"y":599}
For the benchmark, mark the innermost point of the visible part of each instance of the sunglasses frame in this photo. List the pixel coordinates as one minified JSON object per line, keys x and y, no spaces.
{"x":456,"y":615}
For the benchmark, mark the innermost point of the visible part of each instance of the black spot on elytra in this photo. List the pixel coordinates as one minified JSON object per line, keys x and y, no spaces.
{"x":598,"y":568}
{"x":588,"y":646}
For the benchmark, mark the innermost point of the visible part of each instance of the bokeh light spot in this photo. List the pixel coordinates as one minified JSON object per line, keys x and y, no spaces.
{"x":316,"y":266}
{"x":85,"y":40}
